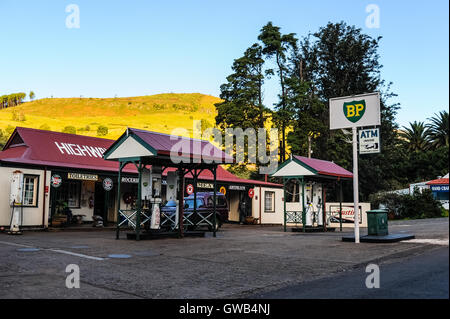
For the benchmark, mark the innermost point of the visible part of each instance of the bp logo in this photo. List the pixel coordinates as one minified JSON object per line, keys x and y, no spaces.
{"x":354,"y":110}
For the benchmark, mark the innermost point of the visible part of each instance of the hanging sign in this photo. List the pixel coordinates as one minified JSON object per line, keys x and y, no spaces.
{"x":355,"y":111}
{"x":131,"y":180}
{"x":205,"y":185}
{"x":369,"y":141}
{"x":84,"y":177}
{"x":251,"y":192}
{"x":223,"y":190}
{"x":439,"y":188}
{"x":56,"y":181}
{"x":189,"y":189}
{"x":107,"y":184}
{"x":236,"y":187}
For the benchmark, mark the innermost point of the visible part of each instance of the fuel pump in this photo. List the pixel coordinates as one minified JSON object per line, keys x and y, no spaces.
{"x":172,"y":191}
{"x":309,"y":207}
{"x":317,"y":204}
{"x":15,"y":201}
{"x":155,"y":200}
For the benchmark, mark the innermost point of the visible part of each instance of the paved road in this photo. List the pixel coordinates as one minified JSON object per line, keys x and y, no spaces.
{"x":241,"y":261}
{"x":422,"y":276}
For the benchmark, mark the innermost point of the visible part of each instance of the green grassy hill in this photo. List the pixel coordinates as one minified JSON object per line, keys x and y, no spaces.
{"x":160,"y":113}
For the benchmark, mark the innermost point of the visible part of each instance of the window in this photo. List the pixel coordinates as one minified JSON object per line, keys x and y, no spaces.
{"x":269,"y":202}
{"x":69,"y":192}
{"x":30,"y":190}
{"x":293,"y":190}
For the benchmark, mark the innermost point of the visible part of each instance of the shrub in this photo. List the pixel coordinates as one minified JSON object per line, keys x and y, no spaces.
{"x":418,"y":205}
{"x":102,"y":130}
{"x":69,"y":129}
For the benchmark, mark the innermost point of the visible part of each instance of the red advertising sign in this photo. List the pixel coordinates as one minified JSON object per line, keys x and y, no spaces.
{"x":189,"y":189}
{"x":251,"y":192}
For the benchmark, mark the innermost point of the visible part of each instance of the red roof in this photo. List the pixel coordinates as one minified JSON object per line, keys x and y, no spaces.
{"x":164,"y":144}
{"x":439,"y":181}
{"x":54,"y":149}
{"x":325,"y":167}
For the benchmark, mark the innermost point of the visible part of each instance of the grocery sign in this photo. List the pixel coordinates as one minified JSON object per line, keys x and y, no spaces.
{"x":355,"y":111}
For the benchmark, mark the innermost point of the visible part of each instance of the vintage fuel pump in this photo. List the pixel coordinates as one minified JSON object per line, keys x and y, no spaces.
{"x":309,"y":207}
{"x":317,"y":203}
{"x":15,"y":201}
{"x":172,"y":191}
{"x":155,"y":199}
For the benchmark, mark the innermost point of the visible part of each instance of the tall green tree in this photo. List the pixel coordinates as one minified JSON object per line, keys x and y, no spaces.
{"x":278,"y":46}
{"x":243,"y":100}
{"x":340,"y":60}
{"x":415,"y":137}
{"x":31,"y":95}
{"x":438,"y":129}
{"x":242,"y":94}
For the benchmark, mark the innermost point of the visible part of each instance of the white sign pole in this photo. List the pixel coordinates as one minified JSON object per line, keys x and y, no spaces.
{"x":355,"y":183}
{"x":353,"y":112}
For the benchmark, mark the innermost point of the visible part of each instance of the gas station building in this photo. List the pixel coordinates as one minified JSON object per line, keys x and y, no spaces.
{"x":67,"y":168}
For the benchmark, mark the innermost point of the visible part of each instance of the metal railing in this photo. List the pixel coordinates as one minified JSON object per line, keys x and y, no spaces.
{"x":294,"y":217}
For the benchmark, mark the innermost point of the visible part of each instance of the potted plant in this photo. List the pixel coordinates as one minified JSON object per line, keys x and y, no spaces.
{"x":60,"y":216}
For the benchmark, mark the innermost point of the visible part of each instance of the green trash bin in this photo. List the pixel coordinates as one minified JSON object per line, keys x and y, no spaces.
{"x":377,"y":222}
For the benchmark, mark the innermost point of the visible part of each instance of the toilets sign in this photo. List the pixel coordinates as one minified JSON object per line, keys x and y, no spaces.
{"x":355,"y":111}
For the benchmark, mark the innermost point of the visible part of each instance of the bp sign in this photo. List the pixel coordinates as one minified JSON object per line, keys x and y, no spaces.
{"x":355,"y":111}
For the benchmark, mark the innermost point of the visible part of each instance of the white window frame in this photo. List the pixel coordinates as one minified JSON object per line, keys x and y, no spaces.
{"x":272,"y":210}
{"x":34,"y":191}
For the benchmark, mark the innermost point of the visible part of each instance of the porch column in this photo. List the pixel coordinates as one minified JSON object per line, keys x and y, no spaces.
{"x":195,"y":191}
{"x":215,"y":200}
{"x":340,"y":205}
{"x":303,"y":205}
{"x":180,"y":202}
{"x":284,"y":201}
{"x":119,"y":179}
{"x":324,"y":209}
{"x":139,"y":204}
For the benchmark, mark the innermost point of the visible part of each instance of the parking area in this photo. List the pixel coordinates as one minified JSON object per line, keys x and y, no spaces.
{"x":241,"y":261}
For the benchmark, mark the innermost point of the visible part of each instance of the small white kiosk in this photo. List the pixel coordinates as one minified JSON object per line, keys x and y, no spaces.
{"x":305,"y":180}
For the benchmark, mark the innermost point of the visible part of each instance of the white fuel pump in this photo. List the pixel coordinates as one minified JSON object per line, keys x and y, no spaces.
{"x":172,"y":186}
{"x":309,"y":206}
{"x":317,"y":204}
{"x":15,"y":201}
{"x":155,"y":177}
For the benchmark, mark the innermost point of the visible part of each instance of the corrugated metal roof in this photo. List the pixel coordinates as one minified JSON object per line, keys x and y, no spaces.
{"x":439,"y":181}
{"x":164,"y":143}
{"x":325,"y":167}
{"x":54,"y":149}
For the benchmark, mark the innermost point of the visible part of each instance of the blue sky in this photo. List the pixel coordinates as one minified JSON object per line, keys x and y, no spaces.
{"x":129,"y":48}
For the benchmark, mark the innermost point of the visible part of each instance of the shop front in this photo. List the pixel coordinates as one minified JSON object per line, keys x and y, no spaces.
{"x":66,"y":174}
